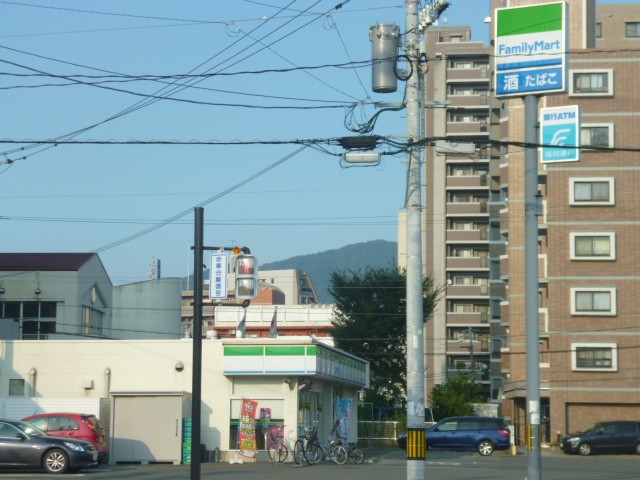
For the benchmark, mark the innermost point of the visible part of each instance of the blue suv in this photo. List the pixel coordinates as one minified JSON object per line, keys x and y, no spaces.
{"x":481,"y":434}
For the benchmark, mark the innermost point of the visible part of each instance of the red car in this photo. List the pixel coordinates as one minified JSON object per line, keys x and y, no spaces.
{"x":76,"y":425}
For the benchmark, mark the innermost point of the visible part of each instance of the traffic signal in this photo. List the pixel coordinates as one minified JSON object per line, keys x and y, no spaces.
{"x":246,"y":268}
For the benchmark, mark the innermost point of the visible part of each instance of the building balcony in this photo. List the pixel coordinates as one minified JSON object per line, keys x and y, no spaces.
{"x":542,"y":266}
{"x":467,"y":208}
{"x":466,"y":181}
{"x":479,"y":235}
{"x":468,"y":318}
{"x":457,"y":347}
{"x":467,"y":128}
{"x":468,"y":74}
{"x":467,"y":263}
{"x":467,"y":290}
{"x":471,"y":101}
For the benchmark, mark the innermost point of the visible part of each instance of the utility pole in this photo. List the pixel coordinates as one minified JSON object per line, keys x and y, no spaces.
{"x":416,"y":390}
{"x":416,"y":438}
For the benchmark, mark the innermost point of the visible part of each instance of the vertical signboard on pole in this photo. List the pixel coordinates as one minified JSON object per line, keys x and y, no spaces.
{"x":218,"y":282}
{"x":560,"y":134}
{"x":531,"y":45}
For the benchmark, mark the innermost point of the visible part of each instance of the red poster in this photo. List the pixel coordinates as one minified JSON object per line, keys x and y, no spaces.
{"x":248,"y":444}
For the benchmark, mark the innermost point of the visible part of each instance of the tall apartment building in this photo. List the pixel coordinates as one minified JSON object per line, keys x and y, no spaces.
{"x":461,"y":114}
{"x":588,"y":234}
{"x":589,"y":228}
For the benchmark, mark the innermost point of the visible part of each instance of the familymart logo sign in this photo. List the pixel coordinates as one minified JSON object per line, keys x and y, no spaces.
{"x":531,"y":45}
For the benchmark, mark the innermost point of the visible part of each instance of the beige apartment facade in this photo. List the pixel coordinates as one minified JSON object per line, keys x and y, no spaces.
{"x":589,"y":227}
{"x":588,"y":232}
{"x":461,"y":114}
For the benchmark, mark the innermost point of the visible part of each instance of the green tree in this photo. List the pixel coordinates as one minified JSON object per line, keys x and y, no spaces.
{"x":370,"y":322}
{"x":455,"y":398}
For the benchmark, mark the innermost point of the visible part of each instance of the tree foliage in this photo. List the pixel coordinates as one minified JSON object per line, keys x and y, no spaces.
{"x":455,"y":398}
{"x":370,"y":322}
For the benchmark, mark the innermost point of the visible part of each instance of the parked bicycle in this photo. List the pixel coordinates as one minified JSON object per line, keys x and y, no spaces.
{"x":319,"y":450}
{"x":305,"y":446}
{"x":278,"y":451}
{"x":354,"y":453}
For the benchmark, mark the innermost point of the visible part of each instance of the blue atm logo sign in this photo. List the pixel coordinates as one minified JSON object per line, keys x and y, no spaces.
{"x":560,"y":134}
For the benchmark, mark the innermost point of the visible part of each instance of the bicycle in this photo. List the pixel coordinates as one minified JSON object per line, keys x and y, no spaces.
{"x":304,"y":447}
{"x":278,"y":451}
{"x":354,"y":453}
{"x":333,"y":451}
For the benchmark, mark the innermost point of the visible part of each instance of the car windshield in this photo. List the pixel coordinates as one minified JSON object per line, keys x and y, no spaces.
{"x":30,"y":429}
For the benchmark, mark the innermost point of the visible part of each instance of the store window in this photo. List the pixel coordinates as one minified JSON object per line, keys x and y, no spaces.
{"x":269,"y":394}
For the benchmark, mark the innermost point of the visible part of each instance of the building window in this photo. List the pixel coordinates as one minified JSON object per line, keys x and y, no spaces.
{"x":593,"y":246}
{"x":496,"y":389}
{"x":596,"y":135}
{"x":591,"y":191}
{"x":16,"y":387}
{"x":594,"y":356}
{"x":37,"y":330}
{"x":591,"y":82}
{"x":632,"y":29}
{"x":92,"y":321}
{"x":593,"y":301}
{"x":598,"y":30}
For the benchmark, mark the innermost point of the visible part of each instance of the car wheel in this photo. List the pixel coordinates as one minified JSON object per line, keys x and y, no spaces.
{"x":485,"y":448}
{"x":584,"y":449}
{"x":637,"y":449}
{"x":55,"y":461}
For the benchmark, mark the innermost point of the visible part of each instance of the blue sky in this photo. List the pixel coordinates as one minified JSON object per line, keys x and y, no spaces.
{"x":98,"y":197}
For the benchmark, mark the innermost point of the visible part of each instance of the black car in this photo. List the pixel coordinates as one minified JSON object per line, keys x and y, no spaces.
{"x":23,"y":445}
{"x":605,"y":437}
{"x":481,"y":434}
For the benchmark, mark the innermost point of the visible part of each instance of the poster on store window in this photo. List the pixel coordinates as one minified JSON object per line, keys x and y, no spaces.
{"x":344,"y":418}
{"x":248,"y":444}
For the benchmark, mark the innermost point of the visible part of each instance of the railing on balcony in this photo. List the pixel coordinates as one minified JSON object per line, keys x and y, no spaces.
{"x":35,"y":336}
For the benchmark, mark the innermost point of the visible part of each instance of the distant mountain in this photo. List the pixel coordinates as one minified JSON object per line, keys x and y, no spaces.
{"x":320,"y":266}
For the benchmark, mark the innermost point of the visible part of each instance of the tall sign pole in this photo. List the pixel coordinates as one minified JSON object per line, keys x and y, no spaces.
{"x":531,"y":45}
{"x":416,"y":444}
{"x":196,"y":381}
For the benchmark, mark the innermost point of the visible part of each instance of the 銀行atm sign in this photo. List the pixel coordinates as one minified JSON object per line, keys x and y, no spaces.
{"x":531,"y":46}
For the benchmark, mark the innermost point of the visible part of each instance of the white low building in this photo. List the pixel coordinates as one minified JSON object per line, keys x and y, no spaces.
{"x":143,"y":388}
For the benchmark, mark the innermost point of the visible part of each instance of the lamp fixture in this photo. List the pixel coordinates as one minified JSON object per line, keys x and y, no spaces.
{"x":1,"y":290}
{"x":38,"y":291}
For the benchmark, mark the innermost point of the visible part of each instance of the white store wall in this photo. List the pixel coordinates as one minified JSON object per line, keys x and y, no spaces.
{"x":94,"y":368}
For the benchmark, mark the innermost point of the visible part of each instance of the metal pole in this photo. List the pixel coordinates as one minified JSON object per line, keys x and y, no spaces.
{"x":416,"y":446}
{"x":531,"y":286}
{"x":196,"y":381}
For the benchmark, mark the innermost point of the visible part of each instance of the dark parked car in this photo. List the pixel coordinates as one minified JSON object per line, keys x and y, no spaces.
{"x":23,"y":445}
{"x":481,"y":434}
{"x":75,"y":425}
{"x":605,"y":437}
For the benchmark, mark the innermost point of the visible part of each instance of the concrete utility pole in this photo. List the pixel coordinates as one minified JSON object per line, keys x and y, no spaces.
{"x":416,"y":444}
